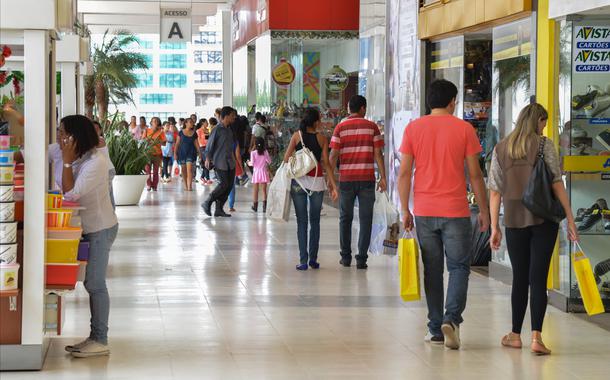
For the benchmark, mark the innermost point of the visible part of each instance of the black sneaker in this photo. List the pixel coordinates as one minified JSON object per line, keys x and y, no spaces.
{"x":207,"y":208}
{"x":361,"y":265}
{"x":590,"y":220}
{"x":345,"y":262}
{"x":451,"y":331}
{"x":434,"y":339}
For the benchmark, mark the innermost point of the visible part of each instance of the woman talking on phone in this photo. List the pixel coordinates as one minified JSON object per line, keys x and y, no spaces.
{"x":84,"y":178}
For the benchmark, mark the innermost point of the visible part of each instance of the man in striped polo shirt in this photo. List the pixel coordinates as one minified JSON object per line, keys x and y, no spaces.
{"x":357,"y":144}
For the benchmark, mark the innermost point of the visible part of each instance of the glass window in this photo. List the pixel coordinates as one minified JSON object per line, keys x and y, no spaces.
{"x":173,"y":61}
{"x":172,"y":45}
{"x":172,"y":80}
{"x":149,"y":60}
{"x":447,"y":62}
{"x":201,"y":100}
{"x":207,"y":38}
{"x":140,"y":44}
{"x":208,"y":76}
{"x":144,"y":80}
{"x":156,"y":99}
{"x":208,"y":56}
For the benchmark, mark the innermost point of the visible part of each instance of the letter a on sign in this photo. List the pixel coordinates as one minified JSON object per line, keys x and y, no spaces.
{"x":175,"y":31}
{"x":175,"y":25}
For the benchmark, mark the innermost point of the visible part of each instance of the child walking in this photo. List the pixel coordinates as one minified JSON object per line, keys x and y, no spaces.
{"x":260,"y":160}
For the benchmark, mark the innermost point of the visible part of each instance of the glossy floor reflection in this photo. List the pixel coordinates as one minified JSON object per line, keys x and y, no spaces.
{"x":200,"y":298}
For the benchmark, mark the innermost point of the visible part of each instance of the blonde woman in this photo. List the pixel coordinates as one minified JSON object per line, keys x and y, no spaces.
{"x":530,"y":240}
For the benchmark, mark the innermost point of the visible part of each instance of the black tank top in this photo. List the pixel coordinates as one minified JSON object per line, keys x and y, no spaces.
{"x":311,"y":142}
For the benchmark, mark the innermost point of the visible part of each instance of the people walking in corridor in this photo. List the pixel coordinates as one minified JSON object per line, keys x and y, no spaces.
{"x":84,"y":178}
{"x":186,"y":152}
{"x":436,"y":147}
{"x":309,"y":189}
{"x":203,"y":134}
{"x":220,"y":151}
{"x":357,"y":144}
{"x":156,"y":136}
{"x":260,"y":160}
{"x":530,"y":239}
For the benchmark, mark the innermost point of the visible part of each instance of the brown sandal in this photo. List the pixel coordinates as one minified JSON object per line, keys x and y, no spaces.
{"x":512,"y":342}
{"x":539,"y":351}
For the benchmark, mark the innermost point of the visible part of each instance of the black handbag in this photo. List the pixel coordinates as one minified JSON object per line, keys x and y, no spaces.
{"x":538,"y":196}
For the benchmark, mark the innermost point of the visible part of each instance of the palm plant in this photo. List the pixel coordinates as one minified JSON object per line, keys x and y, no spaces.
{"x":128,"y":155}
{"x":113,"y":73}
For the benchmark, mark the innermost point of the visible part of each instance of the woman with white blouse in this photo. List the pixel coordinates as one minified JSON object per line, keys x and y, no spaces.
{"x":83,"y":178}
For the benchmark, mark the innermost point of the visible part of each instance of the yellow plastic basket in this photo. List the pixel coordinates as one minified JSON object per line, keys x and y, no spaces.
{"x":62,"y":251}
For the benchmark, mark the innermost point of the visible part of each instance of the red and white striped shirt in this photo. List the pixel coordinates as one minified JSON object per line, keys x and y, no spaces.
{"x":356,"y":139}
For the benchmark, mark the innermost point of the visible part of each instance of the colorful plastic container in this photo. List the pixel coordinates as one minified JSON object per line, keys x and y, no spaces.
{"x":6,"y":156}
{"x":8,"y":233}
{"x":5,"y":142}
{"x":7,"y":212}
{"x":70,"y":233}
{"x":54,"y":201}
{"x":59,"y":218}
{"x":62,"y":251}
{"x":9,"y":276}
{"x":7,"y":193}
{"x":83,"y":251}
{"x":8,"y":253}
{"x":64,"y":274}
{"x":7,"y":173}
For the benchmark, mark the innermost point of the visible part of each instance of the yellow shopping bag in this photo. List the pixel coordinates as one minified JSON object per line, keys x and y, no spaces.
{"x":586,"y":282}
{"x":408,"y":267}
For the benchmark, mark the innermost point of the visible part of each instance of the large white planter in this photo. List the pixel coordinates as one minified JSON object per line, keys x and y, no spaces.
{"x":127,"y":189}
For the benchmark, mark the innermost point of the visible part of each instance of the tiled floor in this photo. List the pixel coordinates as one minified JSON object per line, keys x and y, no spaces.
{"x":200,"y":298}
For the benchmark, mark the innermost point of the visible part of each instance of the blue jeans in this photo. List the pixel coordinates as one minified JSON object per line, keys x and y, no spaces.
{"x":439,"y":237}
{"x":95,"y":281}
{"x":300,"y":198}
{"x":365,"y":192}
{"x":232,"y":194}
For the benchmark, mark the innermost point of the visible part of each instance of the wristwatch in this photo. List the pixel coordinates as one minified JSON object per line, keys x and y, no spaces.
{"x":67,"y":166}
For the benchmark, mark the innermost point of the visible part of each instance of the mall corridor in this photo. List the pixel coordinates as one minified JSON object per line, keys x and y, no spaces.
{"x":198,"y":298}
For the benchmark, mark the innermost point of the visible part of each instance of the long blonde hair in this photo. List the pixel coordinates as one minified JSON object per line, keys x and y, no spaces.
{"x":525,"y":130}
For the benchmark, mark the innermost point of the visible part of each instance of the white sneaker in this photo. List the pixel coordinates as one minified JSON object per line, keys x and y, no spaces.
{"x":452,"y":335}
{"x":77,"y":346}
{"x":92,"y":348}
{"x":432,"y":339}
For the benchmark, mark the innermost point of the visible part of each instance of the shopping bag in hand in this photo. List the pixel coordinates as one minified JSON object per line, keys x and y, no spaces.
{"x":586,"y":282}
{"x":278,"y":198}
{"x":408,"y":268}
{"x":385,"y":228}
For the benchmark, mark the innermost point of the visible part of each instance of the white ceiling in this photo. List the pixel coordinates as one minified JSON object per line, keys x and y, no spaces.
{"x":142,"y":16}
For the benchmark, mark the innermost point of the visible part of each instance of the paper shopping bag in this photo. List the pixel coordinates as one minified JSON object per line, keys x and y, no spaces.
{"x":586,"y":282}
{"x":408,"y":267}
{"x":278,"y":198}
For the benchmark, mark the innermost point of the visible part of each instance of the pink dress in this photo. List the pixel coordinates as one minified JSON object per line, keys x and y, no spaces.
{"x":260,"y":163}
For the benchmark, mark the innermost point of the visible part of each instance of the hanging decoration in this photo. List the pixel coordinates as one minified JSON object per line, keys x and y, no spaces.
{"x":336,"y":79}
{"x":9,"y":77}
{"x":283,"y":73}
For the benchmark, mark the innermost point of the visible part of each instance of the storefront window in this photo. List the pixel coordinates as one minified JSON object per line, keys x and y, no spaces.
{"x":447,"y":62}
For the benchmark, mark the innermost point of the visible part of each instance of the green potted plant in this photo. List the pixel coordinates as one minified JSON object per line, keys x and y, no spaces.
{"x":129,"y":157}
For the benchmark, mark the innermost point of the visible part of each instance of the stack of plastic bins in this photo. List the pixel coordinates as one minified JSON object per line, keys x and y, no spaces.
{"x":62,"y":246}
{"x":9,"y":267}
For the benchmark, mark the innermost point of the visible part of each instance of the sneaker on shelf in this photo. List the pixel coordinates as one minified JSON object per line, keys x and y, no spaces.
{"x":91,"y":349}
{"x":451,"y":331}
{"x":580,"y":213}
{"x":578,"y":132}
{"x":592,"y":215}
{"x":434,"y":339}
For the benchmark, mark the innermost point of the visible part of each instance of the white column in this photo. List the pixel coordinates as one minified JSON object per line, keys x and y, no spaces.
{"x":39,"y":114}
{"x":68,"y":89}
{"x":227,"y":58}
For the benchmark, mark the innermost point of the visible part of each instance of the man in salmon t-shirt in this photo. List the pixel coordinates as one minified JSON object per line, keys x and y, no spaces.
{"x":437,"y":146}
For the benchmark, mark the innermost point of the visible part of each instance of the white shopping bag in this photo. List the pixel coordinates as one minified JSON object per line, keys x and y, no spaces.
{"x":278,"y":198}
{"x":386,"y":227}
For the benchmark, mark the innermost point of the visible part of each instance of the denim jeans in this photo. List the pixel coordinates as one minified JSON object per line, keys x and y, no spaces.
{"x":365,"y":192}
{"x":95,"y":281}
{"x":439,"y":237}
{"x":232,"y":194}
{"x":304,"y":218}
